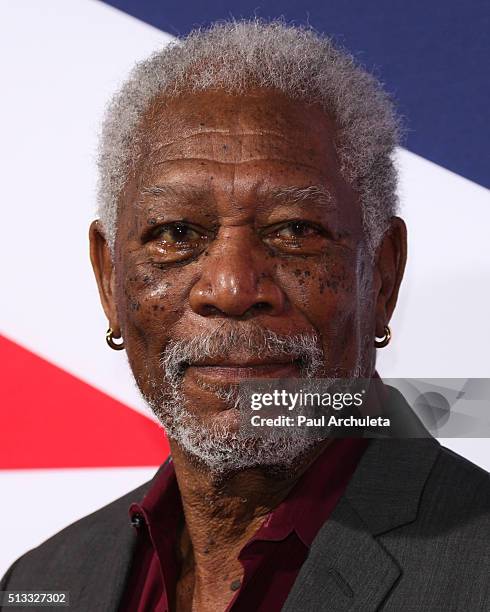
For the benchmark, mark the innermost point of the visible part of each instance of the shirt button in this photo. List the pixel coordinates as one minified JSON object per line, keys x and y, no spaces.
{"x":137,"y":520}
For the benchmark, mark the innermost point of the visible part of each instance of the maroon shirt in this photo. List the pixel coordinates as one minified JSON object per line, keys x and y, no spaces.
{"x":271,"y":559}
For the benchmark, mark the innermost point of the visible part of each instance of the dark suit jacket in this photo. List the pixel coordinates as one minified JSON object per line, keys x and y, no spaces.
{"x":411,"y":533}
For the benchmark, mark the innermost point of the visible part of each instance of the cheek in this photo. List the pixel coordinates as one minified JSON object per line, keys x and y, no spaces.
{"x":150,"y":300}
{"x":327,"y":294}
{"x":325,"y":289}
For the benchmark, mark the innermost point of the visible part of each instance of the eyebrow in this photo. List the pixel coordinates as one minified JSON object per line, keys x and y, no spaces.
{"x":173,"y":192}
{"x":301,"y":194}
{"x":176,"y":194}
{"x":316,"y":197}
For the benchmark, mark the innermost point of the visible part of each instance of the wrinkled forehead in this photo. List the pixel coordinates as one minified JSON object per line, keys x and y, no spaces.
{"x":232,"y":128}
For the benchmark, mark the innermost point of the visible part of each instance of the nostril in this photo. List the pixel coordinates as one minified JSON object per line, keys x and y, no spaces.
{"x":261,"y":306}
{"x":208,"y":310}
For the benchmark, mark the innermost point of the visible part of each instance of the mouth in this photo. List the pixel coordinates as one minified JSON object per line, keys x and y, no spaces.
{"x":236,"y":371}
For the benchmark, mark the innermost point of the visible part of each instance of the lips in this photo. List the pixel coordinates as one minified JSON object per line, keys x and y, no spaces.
{"x":242,"y":362}
{"x":237,"y":370}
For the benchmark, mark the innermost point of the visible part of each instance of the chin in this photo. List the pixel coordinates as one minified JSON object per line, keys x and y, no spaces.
{"x":228,"y":453}
{"x":213,"y":441}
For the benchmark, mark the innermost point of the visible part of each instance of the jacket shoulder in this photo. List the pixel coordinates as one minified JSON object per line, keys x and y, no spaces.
{"x":454,"y":476}
{"x":443,"y":553}
{"x":456,"y":502}
{"x":73,"y":544}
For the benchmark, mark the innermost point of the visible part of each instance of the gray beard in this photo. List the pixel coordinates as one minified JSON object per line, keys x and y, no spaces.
{"x":214,"y":444}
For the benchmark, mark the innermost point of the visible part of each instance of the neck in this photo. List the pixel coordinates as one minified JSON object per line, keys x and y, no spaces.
{"x":223,"y":512}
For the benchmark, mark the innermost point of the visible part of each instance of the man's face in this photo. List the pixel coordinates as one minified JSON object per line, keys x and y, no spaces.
{"x":239,"y":220}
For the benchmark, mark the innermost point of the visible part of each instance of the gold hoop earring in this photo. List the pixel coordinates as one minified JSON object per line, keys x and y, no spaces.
{"x":384,"y":341}
{"x":109,"y":337}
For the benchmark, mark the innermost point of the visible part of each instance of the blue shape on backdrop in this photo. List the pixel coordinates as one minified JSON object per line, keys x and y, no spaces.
{"x":431,"y":55}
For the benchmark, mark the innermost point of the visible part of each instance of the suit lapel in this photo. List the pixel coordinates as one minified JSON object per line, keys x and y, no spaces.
{"x":347,"y":568}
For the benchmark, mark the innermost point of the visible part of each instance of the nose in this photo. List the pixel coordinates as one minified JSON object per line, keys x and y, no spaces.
{"x":235,"y":281}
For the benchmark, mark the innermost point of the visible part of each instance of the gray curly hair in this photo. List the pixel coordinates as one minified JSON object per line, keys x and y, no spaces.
{"x":237,"y":55}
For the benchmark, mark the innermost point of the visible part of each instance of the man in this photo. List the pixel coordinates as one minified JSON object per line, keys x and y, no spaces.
{"x":247,"y":230}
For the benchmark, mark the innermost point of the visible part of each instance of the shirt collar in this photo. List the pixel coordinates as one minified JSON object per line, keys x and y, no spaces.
{"x":312,"y":499}
{"x":303,"y":511}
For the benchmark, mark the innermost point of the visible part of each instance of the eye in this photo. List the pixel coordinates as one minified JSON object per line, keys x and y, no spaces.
{"x":297,"y":236}
{"x":297,"y":229}
{"x":177,"y":233}
{"x":176,"y":242}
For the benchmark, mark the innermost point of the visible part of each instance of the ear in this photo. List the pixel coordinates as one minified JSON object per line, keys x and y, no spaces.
{"x":390,"y":265}
{"x":102,"y":264}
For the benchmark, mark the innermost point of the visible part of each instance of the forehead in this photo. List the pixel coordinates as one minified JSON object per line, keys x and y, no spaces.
{"x":259,"y":128}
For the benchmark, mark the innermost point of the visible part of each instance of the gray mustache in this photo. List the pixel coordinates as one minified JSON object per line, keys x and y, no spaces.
{"x":250,"y":340}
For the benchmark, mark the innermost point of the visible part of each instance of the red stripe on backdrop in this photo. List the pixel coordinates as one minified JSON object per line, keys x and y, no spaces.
{"x":51,"y":419}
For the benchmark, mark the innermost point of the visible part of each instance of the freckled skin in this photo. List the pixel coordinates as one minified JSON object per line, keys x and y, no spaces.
{"x":233,"y":149}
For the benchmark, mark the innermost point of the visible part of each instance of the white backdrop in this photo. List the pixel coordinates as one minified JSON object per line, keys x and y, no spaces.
{"x":61,"y":61}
